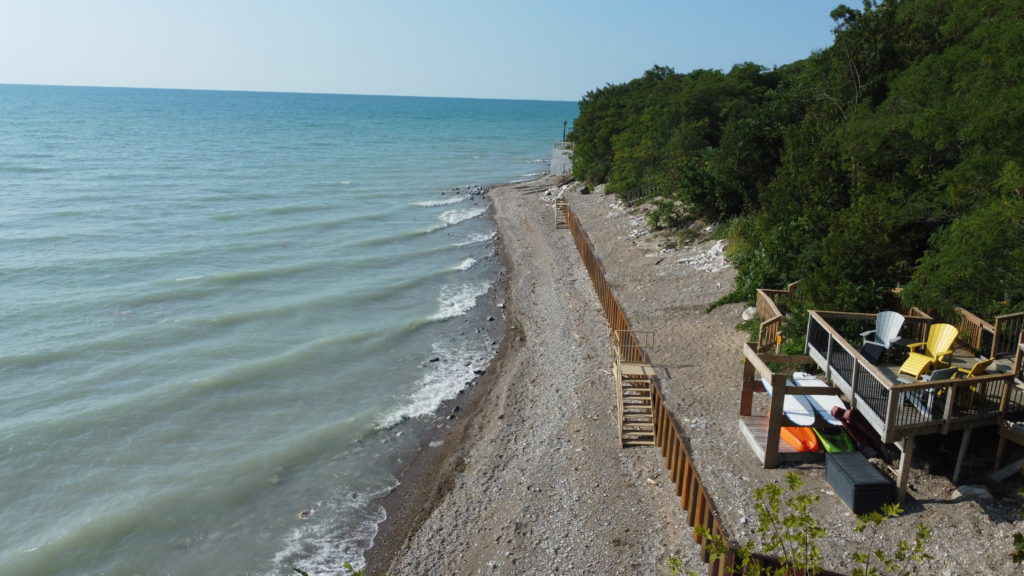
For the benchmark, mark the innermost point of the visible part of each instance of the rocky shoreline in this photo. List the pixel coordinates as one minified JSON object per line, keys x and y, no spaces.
{"x":531,"y":478}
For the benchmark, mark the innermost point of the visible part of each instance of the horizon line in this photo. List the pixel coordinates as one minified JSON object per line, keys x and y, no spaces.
{"x":280,"y":92}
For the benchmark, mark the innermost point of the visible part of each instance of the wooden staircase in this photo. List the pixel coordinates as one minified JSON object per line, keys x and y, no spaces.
{"x":634,"y":384}
{"x":561,"y":214}
{"x":635,"y":395}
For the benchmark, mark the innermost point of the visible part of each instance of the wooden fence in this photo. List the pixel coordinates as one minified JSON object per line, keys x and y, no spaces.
{"x":769,"y":311}
{"x":693,"y":497}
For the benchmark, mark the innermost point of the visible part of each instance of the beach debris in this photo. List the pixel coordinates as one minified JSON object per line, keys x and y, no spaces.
{"x":713,"y":259}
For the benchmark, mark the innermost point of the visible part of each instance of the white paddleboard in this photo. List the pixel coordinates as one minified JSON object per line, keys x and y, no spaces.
{"x":796,"y":408}
{"x":822,"y":404}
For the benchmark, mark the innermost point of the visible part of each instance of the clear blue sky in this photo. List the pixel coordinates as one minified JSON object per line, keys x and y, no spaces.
{"x":532,"y":49}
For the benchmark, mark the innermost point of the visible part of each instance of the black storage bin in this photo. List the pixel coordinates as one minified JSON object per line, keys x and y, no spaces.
{"x":857,"y":482}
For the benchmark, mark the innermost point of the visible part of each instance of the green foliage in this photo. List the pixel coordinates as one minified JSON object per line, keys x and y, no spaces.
{"x":788,"y":530}
{"x":790,"y":533}
{"x":891,"y":157}
{"x":1018,"y":548}
{"x":902,"y":559}
{"x":667,"y":213}
{"x":978,"y":260}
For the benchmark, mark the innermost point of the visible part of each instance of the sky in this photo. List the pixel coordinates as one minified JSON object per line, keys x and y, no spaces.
{"x":522,"y":49}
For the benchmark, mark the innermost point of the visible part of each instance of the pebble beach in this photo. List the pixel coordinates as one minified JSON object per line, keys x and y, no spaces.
{"x":530,"y":478}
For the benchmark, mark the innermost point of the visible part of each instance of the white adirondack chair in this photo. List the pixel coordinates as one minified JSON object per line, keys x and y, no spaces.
{"x":887,"y":329}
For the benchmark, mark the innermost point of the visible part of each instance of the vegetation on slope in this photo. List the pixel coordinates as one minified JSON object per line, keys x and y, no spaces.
{"x":895,"y":157}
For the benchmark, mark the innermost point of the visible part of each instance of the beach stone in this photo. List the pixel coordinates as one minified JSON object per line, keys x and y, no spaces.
{"x":973,"y":492}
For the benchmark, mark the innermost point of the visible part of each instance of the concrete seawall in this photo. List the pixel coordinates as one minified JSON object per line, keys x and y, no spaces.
{"x":561,"y":158}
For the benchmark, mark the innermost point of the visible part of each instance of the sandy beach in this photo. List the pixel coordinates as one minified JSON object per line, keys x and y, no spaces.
{"x":530,"y":478}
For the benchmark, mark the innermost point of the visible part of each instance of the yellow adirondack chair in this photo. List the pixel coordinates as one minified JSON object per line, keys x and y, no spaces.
{"x":925,"y":354}
{"x":977,"y":370}
{"x":969,"y":397}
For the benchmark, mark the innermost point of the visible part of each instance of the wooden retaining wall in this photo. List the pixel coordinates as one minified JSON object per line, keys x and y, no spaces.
{"x":669,"y":437}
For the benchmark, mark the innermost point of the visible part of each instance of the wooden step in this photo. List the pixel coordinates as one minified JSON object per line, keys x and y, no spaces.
{"x":639,"y":418}
{"x":635,"y":391}
{"x":636,"y":439}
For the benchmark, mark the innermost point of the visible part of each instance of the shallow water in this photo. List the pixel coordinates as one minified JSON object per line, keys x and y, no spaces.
{"x":220,"y":307}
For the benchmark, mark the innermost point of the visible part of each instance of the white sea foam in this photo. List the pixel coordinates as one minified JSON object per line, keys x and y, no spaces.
{"x":477,"y":238}
{"x":466,"y":264}
{"x":452,"y":217}
{"x":457,"y":300}
{"x":445,"y":202}
{"x":443,"y":381}
{"x":316,"y":547}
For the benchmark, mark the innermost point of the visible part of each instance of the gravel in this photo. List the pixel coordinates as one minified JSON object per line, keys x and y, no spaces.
{"x":535,"y":482}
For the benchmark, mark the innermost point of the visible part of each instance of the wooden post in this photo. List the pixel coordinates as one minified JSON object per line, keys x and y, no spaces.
{"x":828,"y":366}
{"x":677,"y":468}
{"x":771,"y":449}
{"x":695,"y":488}
{"x":854,"y":376}
{"x":963,"y":452}
{"x":1004,"y":400}
{"x":1000,"y":452}
{"x":904,"y":471}
{"x":747,"y":393}
{"x":673,"y":445}
{"x":891,"y":407}
{"x":947,"y":412}
{"x":684,"y":486}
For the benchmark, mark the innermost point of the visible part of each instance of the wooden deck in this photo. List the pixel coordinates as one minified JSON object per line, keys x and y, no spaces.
{"x":755,"y":430}
{"x":899,"y":410}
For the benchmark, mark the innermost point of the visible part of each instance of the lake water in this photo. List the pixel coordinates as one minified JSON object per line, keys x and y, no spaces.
{"x":222,"y":311}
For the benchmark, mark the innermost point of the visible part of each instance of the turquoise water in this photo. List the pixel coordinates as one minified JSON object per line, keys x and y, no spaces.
{"x":223,"y":310}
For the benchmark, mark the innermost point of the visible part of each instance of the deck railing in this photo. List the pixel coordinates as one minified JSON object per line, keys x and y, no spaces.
{"x":1018,"y":362}
{"x":769,"y":304}
{"x":1009,"y":331}
{"x":995,"y":340}
{"x":975,"y":333}
{"x":896,"y":410}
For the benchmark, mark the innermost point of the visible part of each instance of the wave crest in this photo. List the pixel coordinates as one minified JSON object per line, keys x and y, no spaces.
{"x":452,"y":217}
{"x":445,"y":202}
